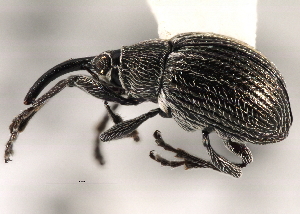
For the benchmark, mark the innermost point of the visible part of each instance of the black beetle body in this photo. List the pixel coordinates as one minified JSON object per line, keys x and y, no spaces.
{"x":204,"y":81}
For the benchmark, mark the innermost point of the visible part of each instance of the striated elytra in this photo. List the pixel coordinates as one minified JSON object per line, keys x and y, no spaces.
{"x":204,"y":81}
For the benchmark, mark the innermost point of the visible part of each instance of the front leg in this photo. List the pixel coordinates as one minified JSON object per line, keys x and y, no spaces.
{"x":98,"y":89}
{"x":18,"y":125}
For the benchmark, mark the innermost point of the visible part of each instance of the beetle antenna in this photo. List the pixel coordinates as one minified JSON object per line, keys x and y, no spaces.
{"x":55,"y":72}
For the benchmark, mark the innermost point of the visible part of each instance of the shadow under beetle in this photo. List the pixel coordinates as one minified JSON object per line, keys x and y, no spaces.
{"x":203,"y":81}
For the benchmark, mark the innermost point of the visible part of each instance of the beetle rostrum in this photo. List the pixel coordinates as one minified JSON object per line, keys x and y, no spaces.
{"x":204,"y":81}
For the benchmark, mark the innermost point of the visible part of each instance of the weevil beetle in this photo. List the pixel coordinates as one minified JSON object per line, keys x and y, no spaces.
{"x":204,"y":81}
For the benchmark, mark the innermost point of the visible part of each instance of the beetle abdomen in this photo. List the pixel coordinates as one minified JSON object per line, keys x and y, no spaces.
{"x":216,"y":81}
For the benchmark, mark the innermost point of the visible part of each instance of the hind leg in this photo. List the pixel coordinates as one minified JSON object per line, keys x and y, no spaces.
{"x":241,"y":150}
{"x":189,"y":161}
{"x":217,"y":163}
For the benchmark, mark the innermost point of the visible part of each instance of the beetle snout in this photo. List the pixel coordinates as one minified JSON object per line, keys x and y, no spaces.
{"x":55,"y":72}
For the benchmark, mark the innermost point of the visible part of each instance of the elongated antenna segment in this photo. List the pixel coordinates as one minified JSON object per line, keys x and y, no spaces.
{"x":55,"y":72}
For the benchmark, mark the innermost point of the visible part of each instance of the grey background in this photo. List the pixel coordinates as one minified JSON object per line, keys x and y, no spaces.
{"x":55,"y":151}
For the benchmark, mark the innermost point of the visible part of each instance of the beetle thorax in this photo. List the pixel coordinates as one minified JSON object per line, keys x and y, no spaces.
{"x":141,"y":68}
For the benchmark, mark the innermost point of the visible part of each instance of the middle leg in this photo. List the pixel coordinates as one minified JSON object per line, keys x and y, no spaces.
{"x":102,"y":125}
{"x":125,"y":128}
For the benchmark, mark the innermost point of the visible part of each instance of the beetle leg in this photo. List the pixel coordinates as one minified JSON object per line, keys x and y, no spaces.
{"x":122,"y":129}
{"x":18,"y":125}
{"x":96,"y":88}
{"x":100,"y":128}
{"x":20,"y":122}
{"x":165,"y":162}
{"x":125,"y":128}
{"x":102,"y":125}
{"x":118,"y":119}
{"x":189,"y":161}
{"x":221,"y":163}
{"x":241,"y":150}
{"x":218,"y":163}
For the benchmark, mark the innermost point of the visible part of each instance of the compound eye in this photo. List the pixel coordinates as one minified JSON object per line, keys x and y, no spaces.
{"x":102,"y":64}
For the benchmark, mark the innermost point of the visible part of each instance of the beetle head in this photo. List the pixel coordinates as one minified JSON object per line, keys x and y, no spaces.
{"x":105,"y":67}
{"x":101,"y":67}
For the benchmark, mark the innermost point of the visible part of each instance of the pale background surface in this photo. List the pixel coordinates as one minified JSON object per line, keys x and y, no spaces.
{"x":55,"y":151}
{"x":235,"y":18}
